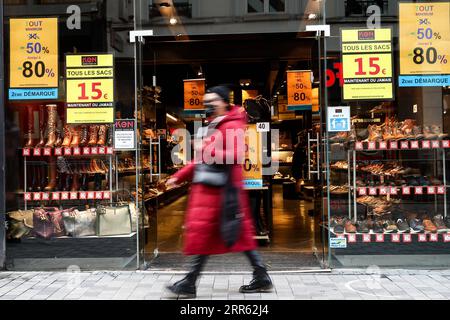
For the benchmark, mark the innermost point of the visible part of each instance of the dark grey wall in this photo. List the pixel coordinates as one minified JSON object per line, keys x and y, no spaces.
{"x":2,"y":147}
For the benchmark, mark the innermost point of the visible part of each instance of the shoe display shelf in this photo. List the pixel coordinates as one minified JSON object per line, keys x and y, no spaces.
{"x":67,"y":151}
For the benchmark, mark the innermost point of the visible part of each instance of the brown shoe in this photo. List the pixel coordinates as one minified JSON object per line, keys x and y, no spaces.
{"x":102,"y":135}
{"x":30,"y":127}
{"x":52,"y":173}
{"x":51,"y":125}
{"x":75,"y":137}
{"x":68,"y":133}
{"x":429,"y":226}
{"x":93,"y":131}
{"x":350,"y":227}
{"x":84,"y":136}
{"x":41,"y":127}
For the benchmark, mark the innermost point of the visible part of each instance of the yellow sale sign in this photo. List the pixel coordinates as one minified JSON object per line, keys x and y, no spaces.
{"x":299,"y":86}
{"x":34,"y":53}
{"x":367,"y":64}
{"x":252,"y":161}
{"x":194,"y":90}
{"x":90,"y":88}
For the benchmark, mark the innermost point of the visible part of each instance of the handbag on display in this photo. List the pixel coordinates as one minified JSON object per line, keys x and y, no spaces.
{"x":210,"y":175}
{"x":113,"y":221}
{"x":48,"y":222}
{"x":80,"y":223}
{"x":231,"y":214}
{"x":20,"y":224}
{"x":134,"y":216}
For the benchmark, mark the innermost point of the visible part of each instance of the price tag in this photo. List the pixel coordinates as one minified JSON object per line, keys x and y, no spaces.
{"x":37,"y":152}
{"x":383,"y":145}
{"x":362,"y":191}
{"x":76,"y":151}
{"x":194,"y":90}
{"x":26,"y":152}
{"x":359,"y":146}
{"x":36,"y":196}
{"x":86,"y":151}
{"x":299,"y":90}
{"x":58,"y":152}
{"x":45,"y":196}
{"x":83,"y":195}
{"x":373,"y":191}
{"x":406,"y":190}
{"x":435,"y":144}
{"x":383,"y":191}
{"x":446,"y":237}
{"x":109,"y":150}
{"x":445,"y":143}
{"x":418,"y":190}
{"x":27,"y":196}
{"x":393,"y":145}
{"x":47,"y":152}
{"x":101,"y":150}
{"x":422,"y":237}
{"x":434,"y":237}
{"x":106,"y":195}
{"x":393,"y":190}
{"x":431,"y":190}
{"x":73,"y":195}
{"x":441,"y":190}
{"x":404,"y":145}
{"x":55,"y":196}
{"x":372,"y":145}
{"x":99,"y":195}
{"x":67,"y":151}
{"x":351,"y":238}
{"x":94,"y":150}
{"x":395,"y":238}
{"x":91,"y":195}
{"x":426,"y":144}
{"x":379,"y":237}
{"x":407,"y":238}
{"x":414,"y":144}
{"x":64,"y":195}
{"x":263,"y":126}
{"x":367,"y":238}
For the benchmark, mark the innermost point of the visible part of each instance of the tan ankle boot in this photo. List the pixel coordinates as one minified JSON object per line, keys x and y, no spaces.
{"x":51,"y":125}
{"x":67,"y":135}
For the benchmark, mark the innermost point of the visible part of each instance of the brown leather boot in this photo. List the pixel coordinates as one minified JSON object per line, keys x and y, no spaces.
{"x":67,"y":136}
{"x":102,"y":135}
{"x":59,"y":139}
{"x":75,"y":137}
{"x":93,"y":131}
{"x":41,"y":127}
{"x":84,"y":136}
{"x":30,"y":128}
{"x":110,"y":135}
{"x":52,"y":182}
{"x":52,"y":110}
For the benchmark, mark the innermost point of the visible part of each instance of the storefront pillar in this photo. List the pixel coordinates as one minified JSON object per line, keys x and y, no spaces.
{"x":2,"y":148}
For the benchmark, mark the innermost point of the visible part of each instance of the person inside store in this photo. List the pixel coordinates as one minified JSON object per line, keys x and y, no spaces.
{"x":202,"y":235}
{"x":299,"y":162}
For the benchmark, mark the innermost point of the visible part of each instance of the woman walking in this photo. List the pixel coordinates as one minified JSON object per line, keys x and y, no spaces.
{"x":202,"y":235}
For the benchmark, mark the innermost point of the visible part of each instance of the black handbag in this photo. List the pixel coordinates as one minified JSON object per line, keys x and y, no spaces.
{"x":210,"y":175}
{"x":231,"y":215}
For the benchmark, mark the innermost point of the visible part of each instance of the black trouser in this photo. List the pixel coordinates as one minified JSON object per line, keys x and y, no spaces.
{"x":198,"y":262}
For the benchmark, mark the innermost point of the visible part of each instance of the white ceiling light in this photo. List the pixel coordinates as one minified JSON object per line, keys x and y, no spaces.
{"x":173,"y":21}
{"x":312,"y":16}
{"x":171,"y":117}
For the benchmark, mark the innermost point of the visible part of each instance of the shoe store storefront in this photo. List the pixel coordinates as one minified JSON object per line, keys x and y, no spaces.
{"x":348,"y":100}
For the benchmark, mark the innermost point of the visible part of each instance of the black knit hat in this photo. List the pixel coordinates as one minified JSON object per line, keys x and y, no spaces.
{"x":222,"y":91}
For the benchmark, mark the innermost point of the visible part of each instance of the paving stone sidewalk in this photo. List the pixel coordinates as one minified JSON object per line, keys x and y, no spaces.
{"x":340,"y":284}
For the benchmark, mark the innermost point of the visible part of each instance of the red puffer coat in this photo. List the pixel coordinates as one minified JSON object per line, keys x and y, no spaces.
{"x":202,"y":230}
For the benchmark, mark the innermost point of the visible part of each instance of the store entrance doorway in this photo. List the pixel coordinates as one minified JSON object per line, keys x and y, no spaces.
{"x":288,"y":207}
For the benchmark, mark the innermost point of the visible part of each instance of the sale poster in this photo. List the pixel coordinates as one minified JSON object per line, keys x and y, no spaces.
{"x":194,"y":90}
{"x":424,"y":44}
{"x":33,"y":66}
{"x":90,"y":88}
{"x":367,"y":64}
{"x":252,"y":159}
{"x":299,"y":87}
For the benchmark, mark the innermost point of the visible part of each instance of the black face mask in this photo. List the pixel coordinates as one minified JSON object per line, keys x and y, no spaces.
{"x":209,"y":109}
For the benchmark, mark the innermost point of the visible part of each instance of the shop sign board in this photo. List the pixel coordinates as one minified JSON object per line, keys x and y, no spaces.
{"x":424,"y":44}
{"x":338,"y":243}
{"x":33,"y":67}
{"x":194,"y":90}
{"x":252,"y":158}
{"x":90,"y":88}
{"x":367,"y":64}
{"x":299,"y":87}
{"x":338,"y":119}
{"x":124,"y":134}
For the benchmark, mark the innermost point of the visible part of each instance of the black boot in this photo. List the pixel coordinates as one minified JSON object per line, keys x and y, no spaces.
{"x":261,"y":281}
{"x":186,"y":287}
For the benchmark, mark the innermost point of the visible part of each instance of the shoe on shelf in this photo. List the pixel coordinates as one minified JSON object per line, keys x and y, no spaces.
{"x":438,"y":221}
{"x":337,"y":223}
{"x":429,"y":226}
{"x":377,"y":227}
{"x":390,"y":226}
{"x":362,"y":225}
{"x":350,"y":227}
{"x":403,"y":226}
{"x":416,"y":225}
